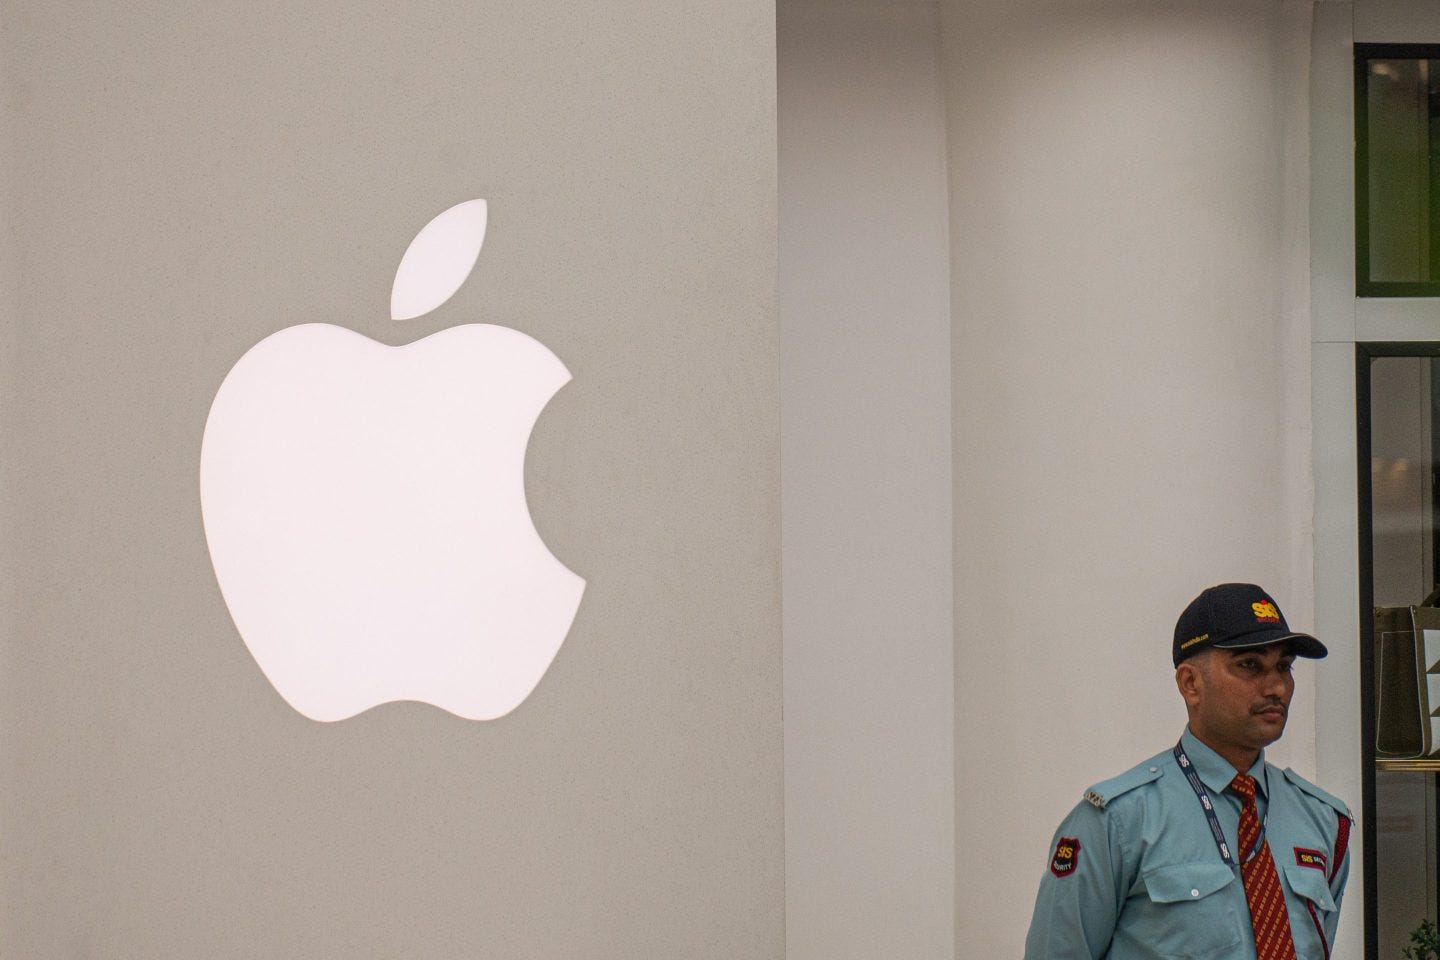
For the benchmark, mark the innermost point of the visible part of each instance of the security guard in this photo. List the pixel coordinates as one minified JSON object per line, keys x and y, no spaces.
{"x":1205,"y":851}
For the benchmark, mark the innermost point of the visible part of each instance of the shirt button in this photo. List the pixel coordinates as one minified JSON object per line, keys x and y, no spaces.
{"x":1194,"y":893}
{"x":1153,"y":769}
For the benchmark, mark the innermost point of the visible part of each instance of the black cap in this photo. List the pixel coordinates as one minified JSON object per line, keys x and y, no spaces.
{"x":1235,"y":616}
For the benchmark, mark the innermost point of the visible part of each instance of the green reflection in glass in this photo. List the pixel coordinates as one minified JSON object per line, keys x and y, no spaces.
{"x":1397,"y":139}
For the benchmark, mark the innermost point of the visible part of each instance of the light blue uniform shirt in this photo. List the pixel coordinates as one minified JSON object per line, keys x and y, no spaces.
{"x":1135,"y":874}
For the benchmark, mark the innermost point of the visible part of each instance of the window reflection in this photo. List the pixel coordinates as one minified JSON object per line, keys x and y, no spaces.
{"x":1397,"y":135}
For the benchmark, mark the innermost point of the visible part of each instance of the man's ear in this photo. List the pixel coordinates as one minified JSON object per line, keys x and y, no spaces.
{"x":1190,"y":681}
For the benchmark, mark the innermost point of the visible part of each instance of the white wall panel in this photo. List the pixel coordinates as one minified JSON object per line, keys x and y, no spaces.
{"x":190,"y":177}
{"x":1131,"y":389}
{"x":866,"y":483}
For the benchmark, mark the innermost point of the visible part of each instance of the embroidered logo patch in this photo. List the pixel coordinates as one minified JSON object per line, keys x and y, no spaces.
{"x":1266,"y":612}
{"x":1310,"y":858}
{"x":1067,"y":857}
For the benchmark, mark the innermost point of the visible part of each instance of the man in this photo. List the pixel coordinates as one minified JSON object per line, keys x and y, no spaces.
{"x":1205,"y":851}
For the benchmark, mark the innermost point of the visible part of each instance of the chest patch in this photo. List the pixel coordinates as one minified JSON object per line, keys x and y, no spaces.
{"x":1311,"y":858}
{"x":1067,"y":857}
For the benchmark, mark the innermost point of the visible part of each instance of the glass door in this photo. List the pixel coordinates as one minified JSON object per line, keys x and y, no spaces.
{"x":1398,"y":400}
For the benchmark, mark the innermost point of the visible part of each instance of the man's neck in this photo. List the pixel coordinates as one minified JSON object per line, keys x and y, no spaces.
{"x":1241,"y":758}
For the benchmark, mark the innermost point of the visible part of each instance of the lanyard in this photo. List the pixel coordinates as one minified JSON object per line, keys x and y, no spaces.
{"x":1209,"y":808}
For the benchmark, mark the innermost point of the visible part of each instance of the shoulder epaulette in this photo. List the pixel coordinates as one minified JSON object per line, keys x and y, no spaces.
{"x":1107,"y":790}
{"x":1317,"y":793}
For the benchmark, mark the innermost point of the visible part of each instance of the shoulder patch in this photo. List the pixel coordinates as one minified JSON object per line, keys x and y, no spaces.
{"x":1066,"y":858}
{"x":1107,"y":790}
{"x":1318,"y":794}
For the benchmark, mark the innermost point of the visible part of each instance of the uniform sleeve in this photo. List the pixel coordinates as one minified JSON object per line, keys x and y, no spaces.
{"x":1337,"y":882}
{"x":1076,"y":908}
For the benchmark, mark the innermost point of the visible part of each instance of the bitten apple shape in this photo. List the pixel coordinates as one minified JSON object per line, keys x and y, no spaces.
{"x":365,"y":511}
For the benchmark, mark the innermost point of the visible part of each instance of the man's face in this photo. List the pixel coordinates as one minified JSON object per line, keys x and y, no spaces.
{"x":1239,"y":698}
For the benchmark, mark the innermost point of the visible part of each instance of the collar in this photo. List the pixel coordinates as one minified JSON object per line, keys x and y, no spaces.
{"x":1215,"y":771}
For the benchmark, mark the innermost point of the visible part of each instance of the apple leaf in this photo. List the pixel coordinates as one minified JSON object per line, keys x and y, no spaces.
{"x":438,"y":260}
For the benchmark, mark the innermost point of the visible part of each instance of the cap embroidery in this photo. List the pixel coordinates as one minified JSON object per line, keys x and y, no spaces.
{"x":1194,"y":640}
{"x":1265,"y":612}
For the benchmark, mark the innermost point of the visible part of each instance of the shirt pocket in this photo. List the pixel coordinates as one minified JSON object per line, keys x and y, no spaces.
{"x":1309,"y":883}
{"x":1192,"y":910}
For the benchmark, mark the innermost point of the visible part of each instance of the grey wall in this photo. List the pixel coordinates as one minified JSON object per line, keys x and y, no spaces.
{"x":183,"y":179}
{"x":864,"y":294}
{"x":1129,"y":271}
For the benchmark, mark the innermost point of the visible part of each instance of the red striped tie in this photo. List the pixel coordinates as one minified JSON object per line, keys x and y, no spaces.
{"x":1262,"y":884}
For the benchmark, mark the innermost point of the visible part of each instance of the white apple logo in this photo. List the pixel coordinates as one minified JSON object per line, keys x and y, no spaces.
{"x":365,"y":510}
